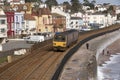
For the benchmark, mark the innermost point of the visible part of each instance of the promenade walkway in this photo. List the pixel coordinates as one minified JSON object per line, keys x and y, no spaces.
{"x":83,"y":64}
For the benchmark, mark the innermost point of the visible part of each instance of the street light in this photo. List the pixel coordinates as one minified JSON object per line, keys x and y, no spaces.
{"x":54,"y":24}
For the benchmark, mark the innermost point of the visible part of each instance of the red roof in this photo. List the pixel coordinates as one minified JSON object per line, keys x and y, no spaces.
{"x":28,"y":17}
{"x":41,"y":11}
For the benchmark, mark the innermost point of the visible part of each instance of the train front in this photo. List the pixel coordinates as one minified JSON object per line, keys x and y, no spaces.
{"x":59,"y":42}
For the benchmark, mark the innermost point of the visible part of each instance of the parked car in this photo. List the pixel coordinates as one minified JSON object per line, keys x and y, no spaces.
{"x":37,"y":37}
{"x":34,"y":38}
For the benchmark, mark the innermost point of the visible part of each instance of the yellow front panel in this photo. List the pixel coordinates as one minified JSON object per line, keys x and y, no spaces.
{"x":59,"y":44}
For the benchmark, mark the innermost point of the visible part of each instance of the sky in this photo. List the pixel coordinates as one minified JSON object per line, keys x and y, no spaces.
{"x":114,"y":2}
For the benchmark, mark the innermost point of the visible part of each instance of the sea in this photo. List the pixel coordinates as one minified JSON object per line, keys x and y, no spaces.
{"x":111,"y":69}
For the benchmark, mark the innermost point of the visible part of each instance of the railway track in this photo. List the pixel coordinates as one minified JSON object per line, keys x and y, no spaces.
{"x":21,"y":65}
{"x":34,"y":66}
{"x":40,"y":64}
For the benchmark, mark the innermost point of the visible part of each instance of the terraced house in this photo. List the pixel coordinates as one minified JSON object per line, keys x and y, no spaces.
{"x":30,"y":24}
{"x":59,"y":22}
{"x":15,"y":18}
{"x":10,"y":23}
{"x":43,"y":19}
{"x":3,"y":26}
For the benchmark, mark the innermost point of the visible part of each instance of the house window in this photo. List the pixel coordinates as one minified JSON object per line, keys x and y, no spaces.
{"x":76,"y":26}
{"x":71,"y":23}
{"x":76,"y":22}
{"x":22,"y":18}
{"x":16,"y":18}
{"x":94,"y":21}
{"x":2,"y":30}
{"x":44,"y":20}
{"x":2,"y":22}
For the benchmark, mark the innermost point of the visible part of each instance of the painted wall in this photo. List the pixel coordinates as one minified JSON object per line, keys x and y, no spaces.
{"x":18,"y":22}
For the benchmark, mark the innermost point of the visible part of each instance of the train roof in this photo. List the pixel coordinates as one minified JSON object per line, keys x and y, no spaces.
{"x":66,"y":32}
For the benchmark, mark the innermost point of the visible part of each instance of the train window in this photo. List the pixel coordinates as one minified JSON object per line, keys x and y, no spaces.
{"x":59,"y":38}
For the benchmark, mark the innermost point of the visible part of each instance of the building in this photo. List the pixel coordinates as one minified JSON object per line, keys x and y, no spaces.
{"x":61,"y":11}
{"x":30,"y":24}
{"x":23,"y":8}
{"x":85,"y":18}
{"x":10,"y":23}
{"x":100,"y":7}
{"x":19,"y":26}
{"x":101,"y":19}
{"x":3,"y":25}
{"x":16,"y":2}
{"x":59,"y":22}
{"x":43,"y":19}
{"x":76,"y":23}
{"x":79,"y":14}
{"x":1,"y":2}
{"x":118,"y":9}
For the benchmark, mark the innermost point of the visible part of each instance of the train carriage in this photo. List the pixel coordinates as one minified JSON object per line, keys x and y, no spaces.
{"x":63,"y":40}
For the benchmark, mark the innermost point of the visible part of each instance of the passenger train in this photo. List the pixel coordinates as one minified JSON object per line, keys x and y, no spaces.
{"x":63,"y":40}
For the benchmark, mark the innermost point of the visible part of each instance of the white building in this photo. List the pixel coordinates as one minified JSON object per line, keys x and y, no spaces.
{"x":103,"y":20}
{"x":1,"y":2}
{"x":85,"y":19}
{"x":3,"y":25}
{"x":79,"y":14}
{"x":16,"y":1}
{"x":18,"y":22}
{"x":30,"y":24}
{"x":60,"y":10}
{"x":100,"y":7}
{"x":118,"y":10}
{"x":76,"y":23}
{"x":85,"y":7}
{"x":41,"y":5}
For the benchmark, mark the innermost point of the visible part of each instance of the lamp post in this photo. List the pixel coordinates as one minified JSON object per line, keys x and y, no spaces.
{"x":54,"y":26}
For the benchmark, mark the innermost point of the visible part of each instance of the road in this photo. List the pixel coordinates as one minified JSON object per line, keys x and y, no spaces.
{"x":15,"y":44}
{"x":11,"y":45}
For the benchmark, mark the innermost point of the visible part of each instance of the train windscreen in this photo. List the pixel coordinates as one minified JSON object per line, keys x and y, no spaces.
{"x":60,"y":38}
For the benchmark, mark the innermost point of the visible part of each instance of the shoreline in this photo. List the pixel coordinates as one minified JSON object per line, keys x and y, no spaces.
{"x":113,"y":49}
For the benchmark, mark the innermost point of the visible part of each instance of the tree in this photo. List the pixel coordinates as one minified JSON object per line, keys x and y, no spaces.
{"x":90,"y":4}
{"x":93,"y":1}
{"x":51,"y":3}
{"x":6,"y":3}
{"x":33,"y":1}
{"x":75,"y":6}
{"x":111,"y":8}
{"x":86,"y":1}
{"x":68,"y":6}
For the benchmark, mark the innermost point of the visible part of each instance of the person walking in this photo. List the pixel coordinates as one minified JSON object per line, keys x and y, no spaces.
{"x":87,"y":45}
